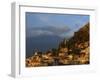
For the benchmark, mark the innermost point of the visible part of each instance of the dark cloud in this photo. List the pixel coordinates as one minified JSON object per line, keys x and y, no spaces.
{"x":48,"y":30}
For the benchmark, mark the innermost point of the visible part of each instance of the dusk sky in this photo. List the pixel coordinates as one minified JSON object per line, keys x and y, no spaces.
{"x":62,"y":25}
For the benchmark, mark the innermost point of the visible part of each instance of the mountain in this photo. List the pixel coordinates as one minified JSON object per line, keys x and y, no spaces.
{"x":81,"y":36}
{"x":42,"y":43}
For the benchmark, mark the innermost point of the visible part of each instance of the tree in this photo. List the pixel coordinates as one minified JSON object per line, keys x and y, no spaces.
{"x":54,"y":51}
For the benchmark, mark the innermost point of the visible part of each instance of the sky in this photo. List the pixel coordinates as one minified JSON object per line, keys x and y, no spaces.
{"x":62,"y":25}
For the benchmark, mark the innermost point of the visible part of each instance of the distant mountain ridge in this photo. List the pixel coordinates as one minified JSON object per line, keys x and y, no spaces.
{"x":42,"y":43}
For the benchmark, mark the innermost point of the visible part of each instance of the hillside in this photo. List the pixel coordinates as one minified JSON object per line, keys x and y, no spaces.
{"x":74,"y":51}
{"x":83,"y":34}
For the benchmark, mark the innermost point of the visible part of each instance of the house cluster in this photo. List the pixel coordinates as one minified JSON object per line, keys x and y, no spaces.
{"x":62,"y":56}
{"x":74,"y":51}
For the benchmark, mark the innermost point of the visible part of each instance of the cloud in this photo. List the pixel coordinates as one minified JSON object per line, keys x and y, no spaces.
{"x":49,"y":30}
{"x":53,"y":24}
{"x":50,"y":19}
{"x":43,"y":18}
{"x":34,"y":33}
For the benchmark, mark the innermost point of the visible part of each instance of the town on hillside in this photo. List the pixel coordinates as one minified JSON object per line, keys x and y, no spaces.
{"x":73,"y":51}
